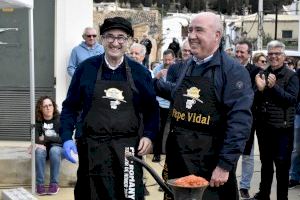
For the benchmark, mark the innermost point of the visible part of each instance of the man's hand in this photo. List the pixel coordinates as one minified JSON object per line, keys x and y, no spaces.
{"x":218,"y":177}
{"x":145,"y":146}
{"x":260,"y":80}
{"x":69,"y":146}
{"x":162,"y":73}
{"x":271,"y":80}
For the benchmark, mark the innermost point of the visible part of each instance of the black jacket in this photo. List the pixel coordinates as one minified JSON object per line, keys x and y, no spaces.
{"x":233,"y":90}
{"x":80,"y":94}
{"x":276,"y":105}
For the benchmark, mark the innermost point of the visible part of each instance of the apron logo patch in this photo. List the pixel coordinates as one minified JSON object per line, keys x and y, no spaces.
{"x":129,"y":181}
{"x":192,"y":93}
{"x":115,"y":95}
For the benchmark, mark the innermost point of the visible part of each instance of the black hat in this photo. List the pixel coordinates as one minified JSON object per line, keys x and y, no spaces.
{"x":116,"y":23}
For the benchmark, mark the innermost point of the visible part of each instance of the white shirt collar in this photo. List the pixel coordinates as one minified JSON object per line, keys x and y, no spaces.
{"x":113,"y":67}
{"x":205,"y":60}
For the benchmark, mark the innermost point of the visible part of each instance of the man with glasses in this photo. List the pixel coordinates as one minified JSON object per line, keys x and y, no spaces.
{"x":276,"y":97}
{"x":119,"y":113}
{"x":87,"y":48}
{"x":243,"y":50}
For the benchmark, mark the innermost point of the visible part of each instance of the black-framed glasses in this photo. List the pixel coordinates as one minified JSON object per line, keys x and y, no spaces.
{"x":89,"y":36}
{"x":274,"y":53}
{"x":111,"y":38}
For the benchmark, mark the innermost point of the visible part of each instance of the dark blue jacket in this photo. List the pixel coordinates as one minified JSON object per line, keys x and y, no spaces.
{"x":298,"y":99}
{"x":233,"y":90}
{"x":81,"y":89}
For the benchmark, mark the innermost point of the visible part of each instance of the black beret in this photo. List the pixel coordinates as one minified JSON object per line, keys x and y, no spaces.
{"x":116,"y":23}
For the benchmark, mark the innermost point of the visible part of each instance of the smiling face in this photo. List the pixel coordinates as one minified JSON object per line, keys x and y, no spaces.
{"x":204,"y":34}
{"x":261,"y":62}
{"x":115,"y":42}
{"x":136,"y":54}
{"x":242,"y":53}
{"x":276,"y":57}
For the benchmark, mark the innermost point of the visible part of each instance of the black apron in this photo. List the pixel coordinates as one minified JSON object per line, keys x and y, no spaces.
{"x":111,"y":130}
{"x":196,"y":134}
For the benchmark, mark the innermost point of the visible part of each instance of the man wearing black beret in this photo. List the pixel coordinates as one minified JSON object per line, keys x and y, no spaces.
{"x":115,"y":98}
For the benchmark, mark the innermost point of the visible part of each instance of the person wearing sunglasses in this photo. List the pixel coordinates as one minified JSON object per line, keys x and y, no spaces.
{"x":87,"y":48}
{"x":260,"y":60}
{"x":115,"y":98}
{"x":276,"y":98}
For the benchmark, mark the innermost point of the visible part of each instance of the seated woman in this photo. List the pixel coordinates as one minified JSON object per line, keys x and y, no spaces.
{"x":48,"y":145}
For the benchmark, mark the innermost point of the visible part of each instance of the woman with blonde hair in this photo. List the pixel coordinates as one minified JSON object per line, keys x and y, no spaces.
{"x":260,"y":60}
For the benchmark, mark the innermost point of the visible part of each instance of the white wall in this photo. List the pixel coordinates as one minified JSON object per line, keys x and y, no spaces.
{"x":71,"y":17}
{"x":171,"y":27}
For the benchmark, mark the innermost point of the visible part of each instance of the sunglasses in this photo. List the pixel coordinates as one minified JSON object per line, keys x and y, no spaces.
{"x":89,"y":36}
{"x":263,"y":61}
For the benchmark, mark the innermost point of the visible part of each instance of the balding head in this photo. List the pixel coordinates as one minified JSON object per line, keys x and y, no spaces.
{"x":205,"y":33}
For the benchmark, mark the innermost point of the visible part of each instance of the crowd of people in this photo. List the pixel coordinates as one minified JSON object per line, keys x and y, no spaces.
{"x":209,"y":102}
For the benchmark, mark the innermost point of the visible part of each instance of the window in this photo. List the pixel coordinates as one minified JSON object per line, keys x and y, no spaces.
{"x":287,"y":34}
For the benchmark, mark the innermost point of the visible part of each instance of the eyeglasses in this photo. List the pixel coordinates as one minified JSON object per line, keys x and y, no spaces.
{"x":48,"y":106}
{"x":89,"y":36}
{"x":262,"y":61}
{"x":110,"y":38}
{"x":274,"y":53}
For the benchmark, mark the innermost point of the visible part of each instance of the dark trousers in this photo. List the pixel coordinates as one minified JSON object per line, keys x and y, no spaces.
{"x":275,"y":146}
{"x":82,"y":187}
{"x":163,"y":117}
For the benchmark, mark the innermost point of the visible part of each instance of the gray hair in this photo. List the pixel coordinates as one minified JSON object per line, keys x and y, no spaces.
{"x":139,"y":46}
{"x":184,"y":41}
{"x":276,"y":44}
{"x":86,"y":29}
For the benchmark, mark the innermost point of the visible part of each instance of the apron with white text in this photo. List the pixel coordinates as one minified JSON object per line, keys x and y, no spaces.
{"x":111,"y":130}
{"x":196,"y":134}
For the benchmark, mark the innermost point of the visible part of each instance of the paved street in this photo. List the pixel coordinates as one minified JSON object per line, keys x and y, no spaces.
{"x":155,"y":194}
{"x":67,"y":193}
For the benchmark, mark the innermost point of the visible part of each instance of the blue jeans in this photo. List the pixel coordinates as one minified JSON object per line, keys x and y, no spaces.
{"x":295,"y":166}
{"x":247,"y":170}
{"x":55,"y":157}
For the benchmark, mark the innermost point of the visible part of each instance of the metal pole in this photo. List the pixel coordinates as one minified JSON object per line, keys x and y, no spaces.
{"x":276,"y":19}
{"x":32,"y":98}
{"x":298,"y":13}
{"x":260,"y":25}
